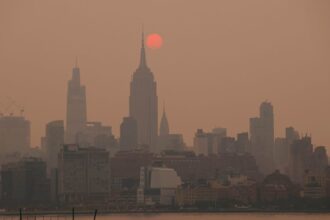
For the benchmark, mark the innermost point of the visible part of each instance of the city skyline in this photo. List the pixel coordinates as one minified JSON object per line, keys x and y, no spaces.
{"x":300,"y":103}
{"x":164,"y":107}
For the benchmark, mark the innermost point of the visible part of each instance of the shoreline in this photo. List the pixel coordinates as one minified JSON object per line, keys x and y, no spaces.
{"x":156,"y":212}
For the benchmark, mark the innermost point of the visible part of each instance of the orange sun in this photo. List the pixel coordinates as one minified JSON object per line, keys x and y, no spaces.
{"x":154,"y":41}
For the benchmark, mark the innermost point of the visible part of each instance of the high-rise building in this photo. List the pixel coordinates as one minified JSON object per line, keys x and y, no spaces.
{"x":128,"y":134}
{"x":243,"y":142}
{"x":54,"y":141}
{"x":320,"y":158}
{"x":164,"y":129}
{"x":262,"y":137}
{"x":282,"y":149}
{"x":167,"y":140}
{"x":218,"y":134}
{"x":204,"y":143}
{"x":301,"y":158}
{"x":76,"y":115}
{"x":208,"y":143}
{"x":143,"y":102}
{"x":83,"y":175}
{"x":14,"y":134}
{"x":291,"y":135}
{"x":24,"y":183}
{"x":281,"y":154}
{"x":92,"y":130}
{"x":164,"y":133}
{"x":228,"y":145}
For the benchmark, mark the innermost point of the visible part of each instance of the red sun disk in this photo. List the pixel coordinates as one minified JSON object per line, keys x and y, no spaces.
{"x":154,"y":41}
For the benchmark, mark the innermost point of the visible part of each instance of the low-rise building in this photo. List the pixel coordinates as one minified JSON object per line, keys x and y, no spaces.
{"x":277,"y":187}
{"x":157,"y":186}
{"x":237,"y":189}
{"x":314,"y":185}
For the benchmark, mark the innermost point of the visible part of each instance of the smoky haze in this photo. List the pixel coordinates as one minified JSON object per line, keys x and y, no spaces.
{"x":219,"y":61}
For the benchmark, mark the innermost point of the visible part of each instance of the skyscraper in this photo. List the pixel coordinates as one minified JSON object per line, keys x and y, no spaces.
{"x":91,"y":132}
{"x":128,"y":134}
{"x":164,"y":129}
{"x":14,"y":134}
{"x":143,"y":102}
{"x":301,"y":154}
{"x":262,"y":137}
{"x":54,"y":141}
{"x":76,"y":115}
{"x":166,"y":140}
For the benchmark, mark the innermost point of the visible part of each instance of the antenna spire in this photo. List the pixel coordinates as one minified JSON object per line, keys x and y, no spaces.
{"x":143,"y":61}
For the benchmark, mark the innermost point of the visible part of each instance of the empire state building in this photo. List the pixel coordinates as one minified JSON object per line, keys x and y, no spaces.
{"x":143,"y":102}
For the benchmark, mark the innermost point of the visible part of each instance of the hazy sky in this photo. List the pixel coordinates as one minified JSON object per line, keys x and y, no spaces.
{"x":219,"y":61}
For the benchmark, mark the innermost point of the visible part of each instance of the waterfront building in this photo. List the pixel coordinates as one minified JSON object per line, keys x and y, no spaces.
{"x":24,"y":183}
{"x":83,"y":175}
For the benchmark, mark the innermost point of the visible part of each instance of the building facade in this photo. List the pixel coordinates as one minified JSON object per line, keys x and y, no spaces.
{"x":262,"y":138}
{"x":92,"y":132}
{"x":76,"y":111}
{"x":128,"y":134}
{"x":14,"y":134}
{"x":143,"y":103}
{"x":83,"y":175}
{"x":24,"y":183}
{"x":54,"y":141}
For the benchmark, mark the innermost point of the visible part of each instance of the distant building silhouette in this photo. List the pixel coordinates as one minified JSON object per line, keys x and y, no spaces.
{"x":164,"y":126}
{"x":243,"y":142}
{"x":204,"y":143}
{"x":83,"y":175}
{"x":54,"y":141}
{"x":227,"y":145}
{"x":218,"y":134}
{"x":277,"y":187}
{"x":14,"y":134}
{"x":314,"y":185}
{"x":281,"y":154}
{"x":301,"y":158}
{"x":282,"y":149}
{"x":25,"y":183}
{"x":128,"y":134}
{"x":320,"y":158}
{"x":166,"y":140}
{"x":76,"y":112}
{"x":291,"y":135}
{"x":143,"y":102}
{"x":262,"y":138}
{"x":92,"y":130}
{"x":214,"y":142}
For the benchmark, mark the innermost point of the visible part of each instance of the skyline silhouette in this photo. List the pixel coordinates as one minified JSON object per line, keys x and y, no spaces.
{"x":241,"y":61}
{"x":245,"y":127}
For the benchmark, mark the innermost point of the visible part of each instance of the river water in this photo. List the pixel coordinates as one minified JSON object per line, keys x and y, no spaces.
{"x":213,"y":216}
{"x":184,"y":216}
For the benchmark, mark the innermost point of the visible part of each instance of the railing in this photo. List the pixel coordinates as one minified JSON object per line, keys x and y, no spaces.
{"x":41,"y":216}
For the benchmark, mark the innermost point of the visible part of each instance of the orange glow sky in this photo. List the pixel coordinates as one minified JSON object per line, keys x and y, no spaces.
{"x":221,"y":59}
